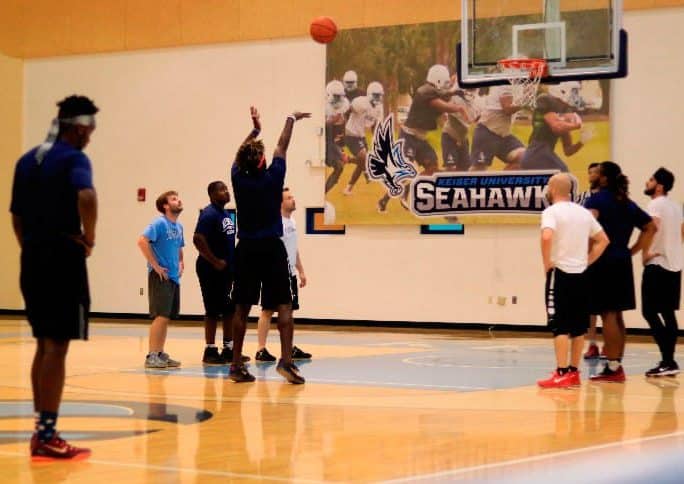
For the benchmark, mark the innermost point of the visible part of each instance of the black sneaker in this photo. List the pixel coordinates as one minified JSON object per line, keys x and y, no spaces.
{"x":298,"y":354}
{"x":264,"y":355}
{"x":239,"y":374}
{"x":664,"y":369}
{"x":227,"y":355}
{"x":211,"y":357}
{"x":290,"y":372}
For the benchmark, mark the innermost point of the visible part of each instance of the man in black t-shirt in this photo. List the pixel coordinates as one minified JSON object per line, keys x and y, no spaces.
{"x":214,"y":239}
{"x":260,"y":257}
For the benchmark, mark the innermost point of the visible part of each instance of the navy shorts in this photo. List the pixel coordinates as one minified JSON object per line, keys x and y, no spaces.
{"x":612,"y":285}
{"x":56,"y":309}
{"x":567,"y":309}
{"x":487,"y":145}
{"x":215,"y":286}
{"x":418,"y":150}
{"x":356,"y":144}
{"x":455,"y":154}
{"x":261,"y":267}
{"x":540,"y":156}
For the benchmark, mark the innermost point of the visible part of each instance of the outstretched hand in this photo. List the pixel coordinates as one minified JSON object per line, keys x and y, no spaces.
{"x":255,"y":117}
{"x":297,"y":115}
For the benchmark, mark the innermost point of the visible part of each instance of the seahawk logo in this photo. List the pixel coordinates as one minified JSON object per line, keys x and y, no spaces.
{"x":386,"y":162}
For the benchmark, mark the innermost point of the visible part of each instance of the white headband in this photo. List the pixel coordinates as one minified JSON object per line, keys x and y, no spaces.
{"x":87,"y":120}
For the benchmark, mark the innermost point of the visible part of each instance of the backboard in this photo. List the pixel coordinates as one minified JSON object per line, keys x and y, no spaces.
{"x":579,"y":39}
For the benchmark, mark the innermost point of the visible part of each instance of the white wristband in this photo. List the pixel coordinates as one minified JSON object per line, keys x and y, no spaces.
{"x":292,"y":118}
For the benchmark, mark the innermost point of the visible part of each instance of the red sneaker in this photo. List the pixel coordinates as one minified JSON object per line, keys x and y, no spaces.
{"x":57,"y":448}
{"x":610,"y":376}
{"x":592,"y":352}
{"x":574,"y":378}
{"x":556,"y":381}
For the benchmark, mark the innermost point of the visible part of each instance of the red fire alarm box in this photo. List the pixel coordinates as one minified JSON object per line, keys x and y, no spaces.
{"x":141,"y":194}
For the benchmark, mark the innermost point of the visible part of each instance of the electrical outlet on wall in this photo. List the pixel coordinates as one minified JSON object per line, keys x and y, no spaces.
{"x":142,"y":291}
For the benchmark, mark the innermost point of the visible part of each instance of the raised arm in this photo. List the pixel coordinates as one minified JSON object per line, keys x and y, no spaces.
{"x":255,"y":130}
{"x":286,"y":134}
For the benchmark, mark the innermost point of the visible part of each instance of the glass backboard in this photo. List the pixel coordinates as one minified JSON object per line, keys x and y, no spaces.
{"x":579,"y":39}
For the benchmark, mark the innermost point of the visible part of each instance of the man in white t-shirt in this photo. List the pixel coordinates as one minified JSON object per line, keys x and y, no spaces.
{"x":661,"y":282}
{"x":289,"y":239}
{"x":567,"y":230}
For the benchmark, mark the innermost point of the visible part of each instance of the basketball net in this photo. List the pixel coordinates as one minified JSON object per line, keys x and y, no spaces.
{"x":524,"y":76}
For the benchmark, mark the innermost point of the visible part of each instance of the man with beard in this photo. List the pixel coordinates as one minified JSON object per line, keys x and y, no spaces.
{"x":162,"y":245}
{"x":662,"y":277}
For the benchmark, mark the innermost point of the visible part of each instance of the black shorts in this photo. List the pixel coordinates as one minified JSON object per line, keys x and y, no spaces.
{"x":294,"y":290}
{"x":54,"y":283}
{"x":455,"y":154}
{"x":215,"y":286}
{"x":612,"y":285}
{"x":418,"y":150}
{"x":356,"y":144}
{"x":163,"y":295}
{"x":487,"y":145}
{"x":261,"y":266}
{"x":567,"y":309}
{"x":660,"y":289}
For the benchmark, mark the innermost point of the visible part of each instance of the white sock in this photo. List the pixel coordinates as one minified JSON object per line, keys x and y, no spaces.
{"x":211,"y":345}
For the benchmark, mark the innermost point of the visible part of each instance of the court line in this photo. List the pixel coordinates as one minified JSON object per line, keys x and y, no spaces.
{"x":183,"y":469}
{"x":344,"y":382}
{"x":536,"y":458}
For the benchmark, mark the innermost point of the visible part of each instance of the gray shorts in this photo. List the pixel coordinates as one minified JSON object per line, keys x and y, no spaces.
{"x":164,"y":296}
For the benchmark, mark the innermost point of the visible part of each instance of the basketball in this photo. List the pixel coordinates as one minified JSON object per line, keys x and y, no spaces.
{"x":323,"y":29}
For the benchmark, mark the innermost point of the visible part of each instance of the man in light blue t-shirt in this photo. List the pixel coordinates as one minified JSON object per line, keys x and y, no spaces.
{"x":162,"y":245}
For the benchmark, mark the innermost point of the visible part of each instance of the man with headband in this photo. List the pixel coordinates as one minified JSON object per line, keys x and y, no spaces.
{"x":55,"y":242}
{"x":261,"y":265}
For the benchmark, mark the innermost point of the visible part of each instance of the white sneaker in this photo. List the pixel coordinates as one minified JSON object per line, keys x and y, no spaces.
{"x":153,"y":360}
{"x":169,"y":362}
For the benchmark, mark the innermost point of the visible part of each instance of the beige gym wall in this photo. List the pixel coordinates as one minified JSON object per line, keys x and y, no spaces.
{"x":11,"y":119}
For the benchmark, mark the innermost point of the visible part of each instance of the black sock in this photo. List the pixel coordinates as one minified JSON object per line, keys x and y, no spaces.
{"x":572,"y":369}
{"x":46,"y":426}
{"x":562,"y":371}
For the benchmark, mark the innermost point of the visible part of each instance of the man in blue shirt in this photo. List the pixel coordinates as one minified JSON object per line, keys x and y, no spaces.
{"x":162,"y":245}
{"x":260,"y":257}
{"x":611,"y":277}
{"x":214,"y":239}
{"x":55,"y":242}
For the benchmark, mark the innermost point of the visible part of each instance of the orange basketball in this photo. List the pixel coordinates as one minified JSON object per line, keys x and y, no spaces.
{"x":323,"y":29}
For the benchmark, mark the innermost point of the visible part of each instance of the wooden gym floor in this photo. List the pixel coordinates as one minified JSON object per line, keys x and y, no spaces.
{"x":377,"y":406}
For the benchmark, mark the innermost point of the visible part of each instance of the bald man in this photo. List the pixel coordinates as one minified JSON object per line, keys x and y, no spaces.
{"x":567,"y":229}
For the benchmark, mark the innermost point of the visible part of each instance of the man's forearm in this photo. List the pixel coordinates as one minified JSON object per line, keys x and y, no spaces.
{"x":145,"y":248}
{"x":18,"y":229}
{"x":284,"y":140}
{"x":87,"y":209}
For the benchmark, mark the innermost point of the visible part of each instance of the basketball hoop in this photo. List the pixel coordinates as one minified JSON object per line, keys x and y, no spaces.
{"x":524,"y":76}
